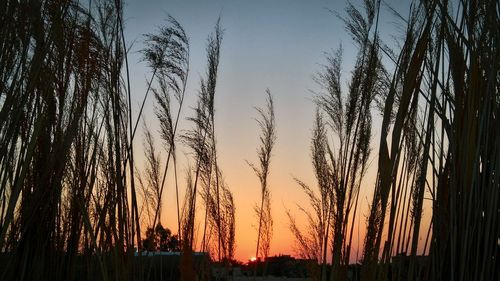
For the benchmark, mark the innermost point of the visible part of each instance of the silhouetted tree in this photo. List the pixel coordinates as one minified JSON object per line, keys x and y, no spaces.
{"x":160,"y":239}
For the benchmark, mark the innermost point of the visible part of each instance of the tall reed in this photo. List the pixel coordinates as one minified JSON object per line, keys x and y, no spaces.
{"x":167,"y":54}
{"x":267,"y":124}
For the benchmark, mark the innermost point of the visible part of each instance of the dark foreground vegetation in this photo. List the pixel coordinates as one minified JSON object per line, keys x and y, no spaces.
{"x":75,"y":206}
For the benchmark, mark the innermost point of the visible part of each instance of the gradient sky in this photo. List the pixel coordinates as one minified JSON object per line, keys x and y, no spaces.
{"x":267,"y":44}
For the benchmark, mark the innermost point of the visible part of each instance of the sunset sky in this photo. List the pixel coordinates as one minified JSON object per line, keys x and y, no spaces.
{"x":267,"y":44}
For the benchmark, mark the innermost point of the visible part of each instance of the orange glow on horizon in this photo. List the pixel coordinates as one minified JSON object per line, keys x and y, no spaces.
{"x":285,"y":195}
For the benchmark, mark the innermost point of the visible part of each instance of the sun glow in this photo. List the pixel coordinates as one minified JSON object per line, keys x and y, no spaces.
{"x":252,"y":259}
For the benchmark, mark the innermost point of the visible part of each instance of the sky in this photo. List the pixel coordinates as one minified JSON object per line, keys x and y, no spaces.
{"x":267,"y":44}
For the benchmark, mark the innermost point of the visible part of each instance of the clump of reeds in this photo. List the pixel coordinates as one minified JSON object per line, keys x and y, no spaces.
{"x":437,"y":110}
{"x":347,"y":117}
{"x":219,"y":220}
{"x":65,"y":161}
{"x":167,"y":53}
